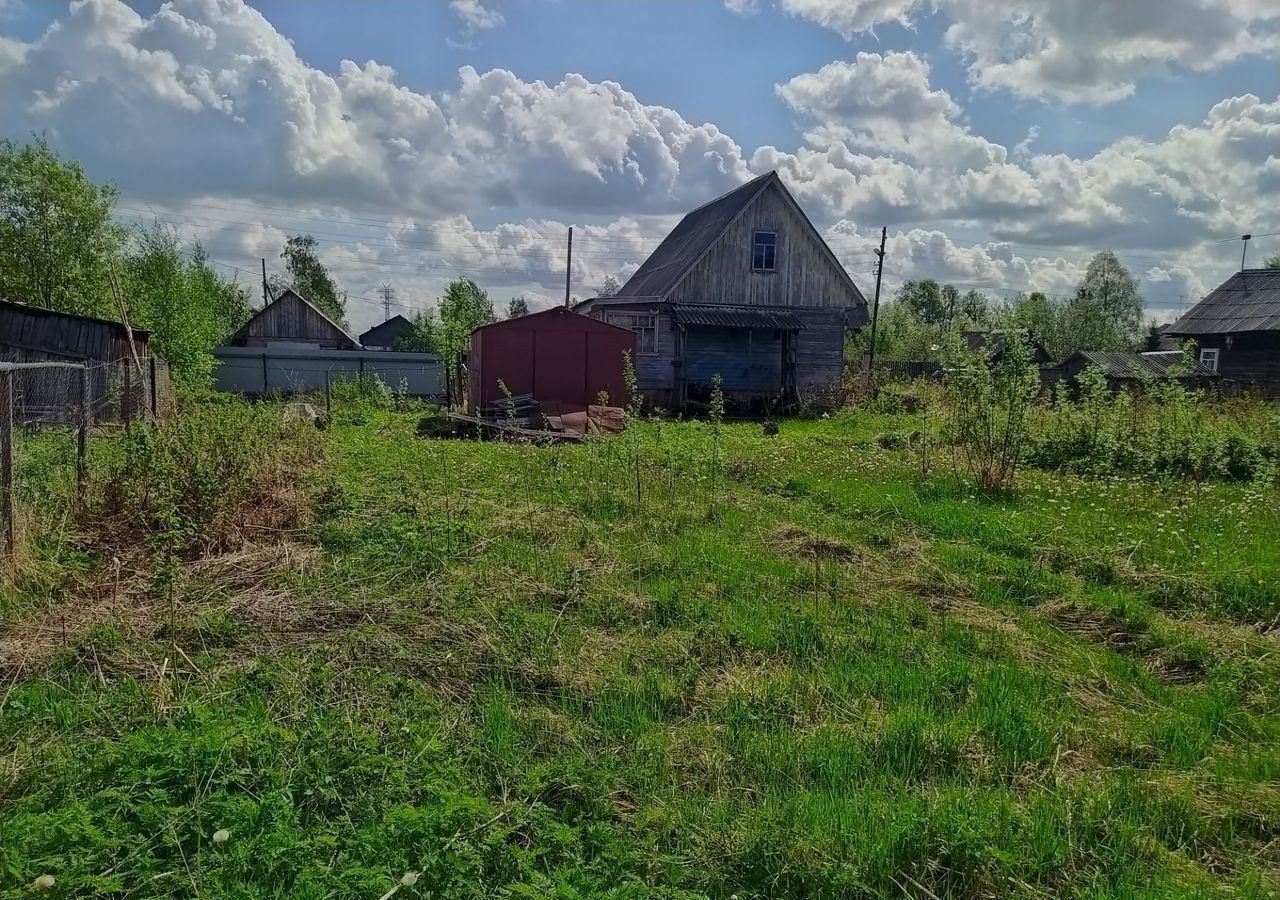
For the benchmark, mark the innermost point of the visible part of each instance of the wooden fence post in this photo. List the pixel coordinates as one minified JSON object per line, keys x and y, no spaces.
{"x":86,"y":419}
{"x":6,"y":462}
{"x":155,"y":405}
{"x":126,"y":398}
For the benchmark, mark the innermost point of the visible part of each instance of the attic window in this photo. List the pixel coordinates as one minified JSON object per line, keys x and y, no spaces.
{"x":764,"y":251}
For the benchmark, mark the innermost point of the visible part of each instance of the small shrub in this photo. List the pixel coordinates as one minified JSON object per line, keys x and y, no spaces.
{"x":989,"y":406}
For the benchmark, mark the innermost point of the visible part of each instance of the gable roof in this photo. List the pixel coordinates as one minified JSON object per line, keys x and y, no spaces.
{"x":384,"y":333}
{"x":1247,"y":301}
{"x":246,"y":328}
{"x":693,"y":237}
{"x":1157,"y":364}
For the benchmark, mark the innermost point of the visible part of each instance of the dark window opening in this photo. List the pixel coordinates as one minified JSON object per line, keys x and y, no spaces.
{"x":764,"y":251}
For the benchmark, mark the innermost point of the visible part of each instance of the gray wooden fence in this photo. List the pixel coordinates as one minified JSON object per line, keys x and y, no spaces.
{"x":297,"y":370}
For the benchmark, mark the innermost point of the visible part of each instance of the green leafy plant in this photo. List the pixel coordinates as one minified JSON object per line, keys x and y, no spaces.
{"x":989,"y":405}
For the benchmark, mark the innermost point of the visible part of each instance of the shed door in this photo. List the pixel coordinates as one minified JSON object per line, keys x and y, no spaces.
{"x":560,"y":366}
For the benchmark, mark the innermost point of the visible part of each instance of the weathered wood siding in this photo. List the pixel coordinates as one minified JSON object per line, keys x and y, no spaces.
{"x":819,"y":350}
{"x":654,"y":371}
{"x":33,"y":334}
{"x":805,"y":275}
{"x":289,"y":318}
{"x":1252,"y":359}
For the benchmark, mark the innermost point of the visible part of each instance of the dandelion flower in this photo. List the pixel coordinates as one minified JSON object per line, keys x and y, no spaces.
{"x":409,"y":879}
{"x":44,"y":883}
{"x":221,"y":836}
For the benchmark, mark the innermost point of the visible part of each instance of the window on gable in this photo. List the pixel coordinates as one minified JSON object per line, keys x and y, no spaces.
{"x":645,"y":325}
{"x":764,"y":251}
{"x":1209,"y":358}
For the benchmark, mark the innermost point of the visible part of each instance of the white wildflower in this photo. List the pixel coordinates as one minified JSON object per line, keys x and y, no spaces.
{"x":221,"y":836}
{"x":409,"y":879}
{"x":44,"y":883}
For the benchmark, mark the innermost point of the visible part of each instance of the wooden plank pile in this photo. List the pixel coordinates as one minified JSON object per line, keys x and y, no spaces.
{"x":517,"y":410}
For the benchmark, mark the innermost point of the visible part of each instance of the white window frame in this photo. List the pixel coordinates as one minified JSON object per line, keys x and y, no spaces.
{"x":1209,"y":357}
{"x":754,"y":237}
{"x":644,"y":324}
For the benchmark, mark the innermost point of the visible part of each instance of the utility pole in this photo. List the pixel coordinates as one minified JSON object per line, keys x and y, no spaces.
{"x":266,"y":295}
{"x":875,"y":307}
{"x":388,"y":297}
{"x":568,"y":269}
{"x":1246,"y":238}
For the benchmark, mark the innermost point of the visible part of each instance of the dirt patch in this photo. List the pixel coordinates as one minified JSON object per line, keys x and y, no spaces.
{"x":1098,"y":626}
{"x":1104,"y":628}
{"x":123,"y":594}
{"x":796,"y":541}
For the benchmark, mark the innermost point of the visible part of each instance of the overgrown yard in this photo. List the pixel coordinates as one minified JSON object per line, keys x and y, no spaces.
{"x":689,"y":661}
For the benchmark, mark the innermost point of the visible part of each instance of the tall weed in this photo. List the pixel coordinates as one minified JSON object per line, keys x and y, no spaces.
{"x":181,"y":483}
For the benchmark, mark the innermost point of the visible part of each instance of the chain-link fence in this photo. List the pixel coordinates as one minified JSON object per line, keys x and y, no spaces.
{"x":48,"y":411}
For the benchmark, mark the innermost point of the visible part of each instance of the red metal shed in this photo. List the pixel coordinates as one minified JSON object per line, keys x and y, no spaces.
{"x":561,"y":357}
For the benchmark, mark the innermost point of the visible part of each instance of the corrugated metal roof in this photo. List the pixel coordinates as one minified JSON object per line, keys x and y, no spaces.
{"x":737,"y":317}
{"x":687,"y":241}
{"x":1247,"y":301}
{"x":1160,"y":364}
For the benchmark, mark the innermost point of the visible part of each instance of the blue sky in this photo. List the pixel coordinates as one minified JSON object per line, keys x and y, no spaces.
{"x":1001,"y":142}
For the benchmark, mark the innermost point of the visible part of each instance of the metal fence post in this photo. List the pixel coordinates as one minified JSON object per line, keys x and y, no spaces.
{"x":328,"y":395}
{"x":82,"y":433}
{"x":6,"y":462}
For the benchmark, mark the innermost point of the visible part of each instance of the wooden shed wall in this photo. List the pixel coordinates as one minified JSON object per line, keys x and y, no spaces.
{"x":33,"y":334}
{"x":805,"y":275}
{"x":288,"y":318}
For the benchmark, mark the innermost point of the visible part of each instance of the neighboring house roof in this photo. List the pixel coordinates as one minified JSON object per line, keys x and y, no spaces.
{"x":737,"y":317}
{"x":690,"y":240}
{"x":384,"y":334}
{"x":1247,"y":301}
{"x":246,"y":330}
{"x":1159,"y":364}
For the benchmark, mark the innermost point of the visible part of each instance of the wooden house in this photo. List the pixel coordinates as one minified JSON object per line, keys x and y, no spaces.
{"x":1237,"y":329}
{"x":291,"y":321}
{"x":384,"y":335}
{"x":745,"y":288}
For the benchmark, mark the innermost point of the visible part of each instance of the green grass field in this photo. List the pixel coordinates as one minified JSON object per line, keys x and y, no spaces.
{"x":684,"y":662}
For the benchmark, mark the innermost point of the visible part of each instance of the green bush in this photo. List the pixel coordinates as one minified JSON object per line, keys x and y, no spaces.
{"x":1162,"y":429}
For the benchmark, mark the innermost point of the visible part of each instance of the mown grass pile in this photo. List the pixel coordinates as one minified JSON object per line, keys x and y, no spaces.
{"x":693,"y":661}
